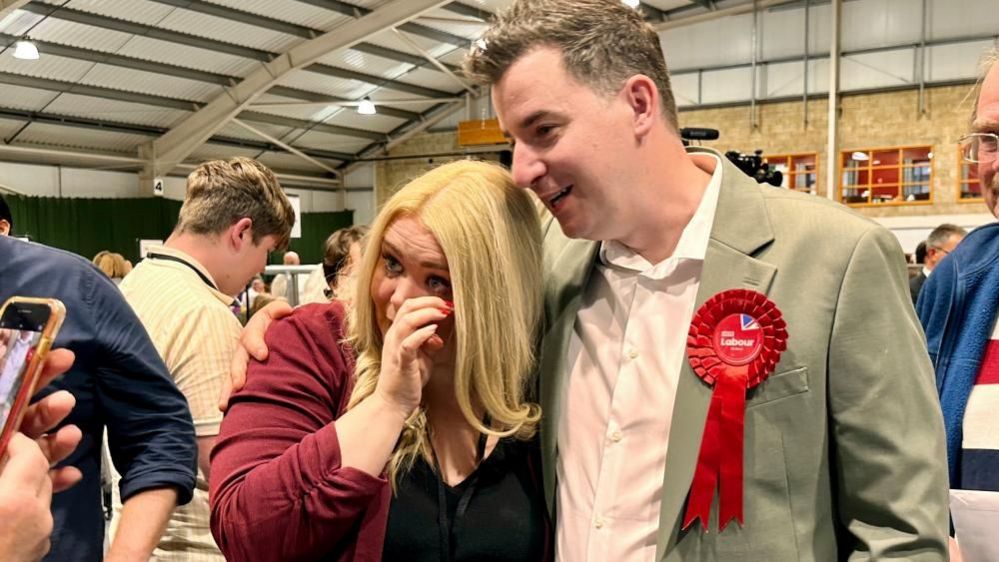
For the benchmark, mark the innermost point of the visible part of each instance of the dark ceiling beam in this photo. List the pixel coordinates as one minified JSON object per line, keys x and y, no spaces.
{"x":410,"y":27}
{"x":707,"y":4}
{"x":150,"y":131}
{"x":79,"y":53}
{"x":390,"y":54}
{"x":305,"y":95}
{"x":248,"y":18}
{"x":651,"y":12}
{"x":174,"y":103}
{"x":259,"y":117}
{"x":468,"y":11}
{"x":115,"y":24}
{"x":124,"y":26}
{"x":61,"y":86}
{"x":375,"y":80}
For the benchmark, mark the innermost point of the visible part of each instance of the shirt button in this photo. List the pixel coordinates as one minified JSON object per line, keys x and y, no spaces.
{"x":599,"y":522}
{"x":633,"y":353}
{"x":616,"y":436}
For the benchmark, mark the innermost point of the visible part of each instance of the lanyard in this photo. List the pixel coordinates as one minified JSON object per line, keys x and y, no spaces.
{"x":443,"y":526}
{"x":185,"y":262}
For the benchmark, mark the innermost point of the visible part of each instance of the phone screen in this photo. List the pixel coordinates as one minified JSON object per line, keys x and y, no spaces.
{"x":18,"y":344}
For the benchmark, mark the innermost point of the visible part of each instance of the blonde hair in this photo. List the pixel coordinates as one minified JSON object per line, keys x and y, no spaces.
{"x":989,"y":59}
{"x":603,"y":44}
{"x":112,"y":264}
{"x":491,"y":236}
{"x":220,"y":193}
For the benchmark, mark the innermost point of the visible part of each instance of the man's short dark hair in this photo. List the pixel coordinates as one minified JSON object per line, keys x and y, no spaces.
{"x":920,"y":254}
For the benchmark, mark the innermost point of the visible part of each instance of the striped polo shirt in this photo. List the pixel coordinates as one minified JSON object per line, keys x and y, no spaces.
{"x":980,"y":447}
{"x":196,"y":334}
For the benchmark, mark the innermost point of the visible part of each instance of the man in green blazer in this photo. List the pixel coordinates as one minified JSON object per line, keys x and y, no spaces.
{"x":844,"y":450}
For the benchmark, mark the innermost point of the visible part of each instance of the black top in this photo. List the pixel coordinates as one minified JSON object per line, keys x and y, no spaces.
{"x":504,"y":519}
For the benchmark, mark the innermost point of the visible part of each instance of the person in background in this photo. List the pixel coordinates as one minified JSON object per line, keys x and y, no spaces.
{"x":958,"y":309}
{"x":234,"y":213}
{"x":257,"y":287}
{"x":27,"y":481}
{"x":120,"y":383}
{"x":941,"y":241}
{"x":843,"y":443}
{"x":341,"y":251}
{"x":419,"y":449}
{"x":279,"y":286}
{"x":113,"y":265}
{"x":642,"y":233}
{"x":262,"y":300}
{"x":6,"y":218}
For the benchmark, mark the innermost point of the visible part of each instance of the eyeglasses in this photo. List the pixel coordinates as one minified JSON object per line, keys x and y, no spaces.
{"x":979,"y":147}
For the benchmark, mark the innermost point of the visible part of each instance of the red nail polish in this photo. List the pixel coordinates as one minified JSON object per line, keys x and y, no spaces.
{"x":446,"y":311}
{"x":449,"y":304}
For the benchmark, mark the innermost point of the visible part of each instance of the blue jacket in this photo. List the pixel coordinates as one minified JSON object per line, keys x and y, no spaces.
{"x":119,"y":382}
{"x":957,"y":308}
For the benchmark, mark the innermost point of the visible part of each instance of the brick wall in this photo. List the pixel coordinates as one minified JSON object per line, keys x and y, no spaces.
{"x":866,"y":121}
{"x":390,"y":175}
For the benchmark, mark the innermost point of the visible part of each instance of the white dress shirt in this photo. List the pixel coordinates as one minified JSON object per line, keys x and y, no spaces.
{"x":625,"y":356}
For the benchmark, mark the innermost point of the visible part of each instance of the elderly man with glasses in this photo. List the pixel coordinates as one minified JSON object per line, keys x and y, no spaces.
{"x":958,"y":309}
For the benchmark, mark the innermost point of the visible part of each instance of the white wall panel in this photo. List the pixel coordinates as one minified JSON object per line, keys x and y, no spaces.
{"x":724,"y":86}
{"x":363,"y":205}
{"x":958,"y":18}
{"x":722,"y":41}
{"x":782,"y":33}
{"x":57,"y":181}
{"x":361,"y":176}
{"x":818,"y":76}
{"x":98,"y":183}
{"x":320,"y":201}
{"x":879,"y":23}
{"x":782,"y":80}
{"x":877,"y":70}
{"x":685,"y":89}
{"x":174,"y":187}
{"x":29,"y":179}
{"x":955,"y":61}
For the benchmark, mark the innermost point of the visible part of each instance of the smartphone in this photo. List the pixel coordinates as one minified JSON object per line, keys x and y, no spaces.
{"x":28,"y":326}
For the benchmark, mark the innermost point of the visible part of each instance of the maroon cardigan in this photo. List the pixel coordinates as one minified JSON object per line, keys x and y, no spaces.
{"x":277,"y":489}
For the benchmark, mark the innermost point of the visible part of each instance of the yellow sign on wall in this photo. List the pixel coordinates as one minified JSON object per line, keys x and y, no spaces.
{"x":480,"y":132}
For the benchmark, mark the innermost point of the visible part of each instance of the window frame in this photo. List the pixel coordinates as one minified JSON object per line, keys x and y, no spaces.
{"x":898,"y":167}
{"x":961,"y":163}
{"x":788,"y":160}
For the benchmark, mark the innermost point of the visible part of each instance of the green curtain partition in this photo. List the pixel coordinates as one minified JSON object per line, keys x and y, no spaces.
{"x":316,"y":227}
{"x":87,"y":226}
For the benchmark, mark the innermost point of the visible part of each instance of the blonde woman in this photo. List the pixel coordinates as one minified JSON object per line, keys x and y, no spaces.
{"x":113,"y":265}
{"x":419,"y":446}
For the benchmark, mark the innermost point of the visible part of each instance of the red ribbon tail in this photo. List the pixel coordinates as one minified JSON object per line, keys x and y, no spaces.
{"x":732,"y":388}
{"x":702,"y":489}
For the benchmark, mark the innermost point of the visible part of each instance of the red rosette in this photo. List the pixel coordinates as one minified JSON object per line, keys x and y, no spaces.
{"x":734,"y":343}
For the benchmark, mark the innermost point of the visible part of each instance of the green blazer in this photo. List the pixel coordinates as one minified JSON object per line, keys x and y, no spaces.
{"x":844,"y":443}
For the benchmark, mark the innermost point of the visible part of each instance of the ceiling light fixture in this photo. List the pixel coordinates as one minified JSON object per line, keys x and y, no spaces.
{"x":25,"y":50}
{"x":366,"y":107}
{"x":859,"y":156}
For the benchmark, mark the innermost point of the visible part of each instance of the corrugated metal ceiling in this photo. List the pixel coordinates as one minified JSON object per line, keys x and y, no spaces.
{"x":87,"y":139}
{"x":393,"y":76}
